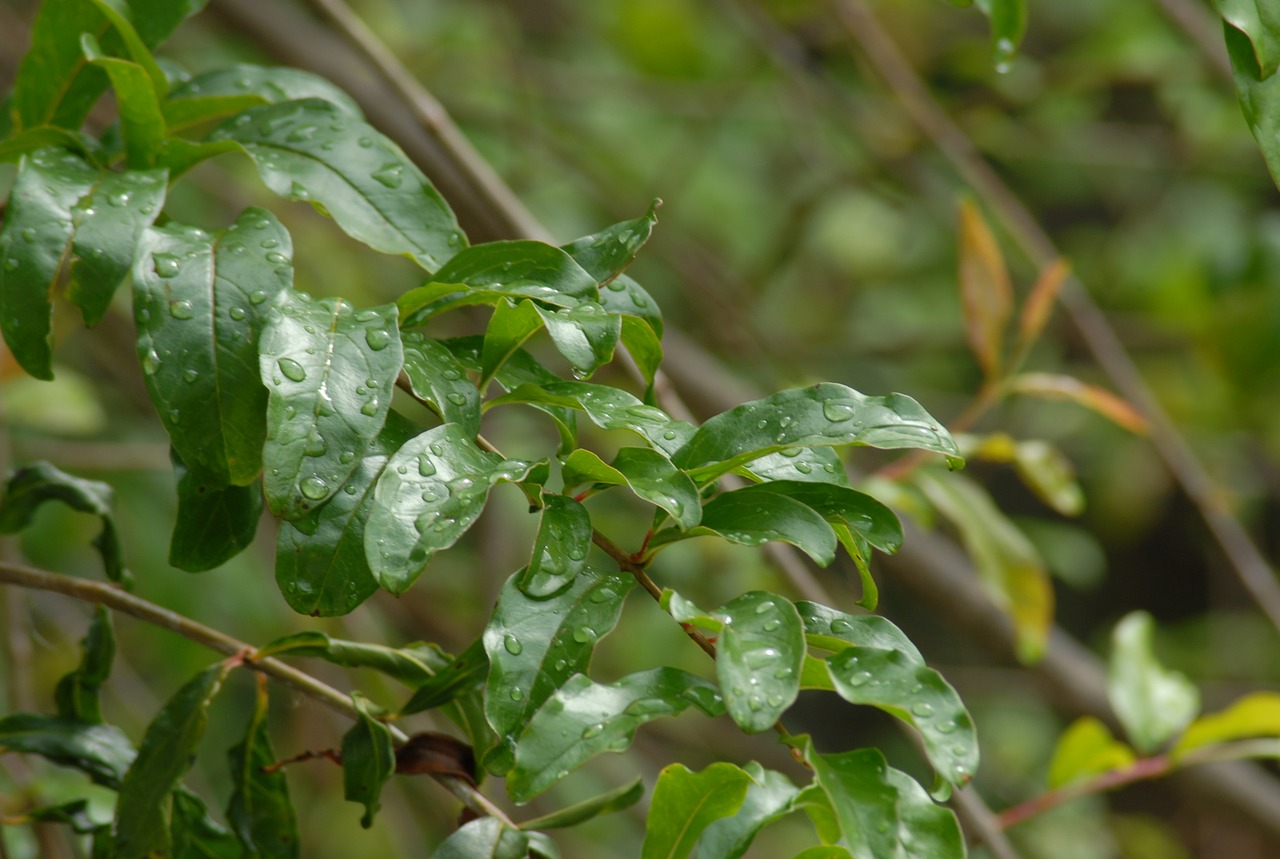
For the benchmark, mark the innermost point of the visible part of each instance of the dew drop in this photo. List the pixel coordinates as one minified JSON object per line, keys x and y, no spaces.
{"x":292,"y":369}
{"x":118,"y":200}
{"x":189,"y":375}
{"x":669,"y":435}
{"x":836,"y":412}
{"x":181,"y":309}
{"x":29,"y":234}
{"x":922,"y":709}
{"x":276,"y":258}
{"x":314,"y":488}
{"x":391,"y":175}
{"x":166,"y":265}
{"x":377,"y":338}
{"x":772,"y":624}
{"x":513,"y":645}
{"x":593,"y":730}
{"x":150,"y":362}
{"x":257,"y":297}
{"x":370,"y":408}
{"x":804,"y":467}
{"x":425,"y":466}
{"x":316,"y":445}
{"x":456,"y":398}
{"x":237,"y":313}
{"x":269,"y":243}
{"x":859,"y":678}
{"x":516,"y":695}
{"x":584,"y":635}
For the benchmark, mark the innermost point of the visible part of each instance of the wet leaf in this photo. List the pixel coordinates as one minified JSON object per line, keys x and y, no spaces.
{"x":101,"y":752}
{"x":402,"y":664}
{"x":1254,"y":715}
{"x":604,"y":255}
{"x":584,"y":719}
{"x":464,"y":674}
{"x":368,"y":760}
{"x":605,"y":803}
{"x":259,"y":811}
{"x":141,"y":122}
{"x":685,"y":803}
{"x":807,"y":464}
{"x":644,"y":345}
{"x":839,"y":505}
{"x":330,"y":371}
{"x":270,"y":84}
{"x":214,"y":524}
{"x":1053,"y":387}
{"x":559,"y":549}
{"x":77,"y":692}
{"x":758,"y":658}
{"x":585,"y":335}
{"x":1087,"y":749}
{"x":1008,"y":24}
{"x":769,"y":797}
{"x":438,"y":378}
{"x":510,"y":326}
{"x":985,"y":291}
{"x":485,"y":838}
{"x":833,"y":630}
{"x":648,"y":473}
{"x":1152,"y":703}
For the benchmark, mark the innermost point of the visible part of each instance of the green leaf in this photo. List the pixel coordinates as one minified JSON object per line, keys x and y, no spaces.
{"x":753,"y":515}
{"x":1259,"y":96}
{"x":368,"y":760}
{"x":808,"y":464}
{"x":1254,"y":715}
{"x":141,"y":121}
{"x":840,"y":505}
{"x":824,"y":415}
{"x":1006,"y":560}
{"x":605,"y":803}
{"x":605,"y":254}
{"x":77,"y":692}
{"x":510,"y":326}
{"x":315,"y":151}
{"x":1259,"y":22}
{"x":268,"y":84}
{"x":74,"y":814}
{"x":625,"y":297}
{"x":101,"y":752}
{"x":1087,"y":749}
{"x":202,"y":303}
{"x":31,"y":486}
{"x":1008,"y":24}
{"x":167,"y":751}
{"x":585,"y":335}
{"x":648,"y":473}
{"x":20,"y":143}
{"x":405,"y":665}
{"x":485,"y":838}
{"x":38,"y":228}
{"x":214,"y":524}
{"x":1152,"y":703}
{"x":259,"y":810}
{"x":834,"y":630}
{"x":685,"y":803}
{"x":759,"y":658}
{"x":438,"y":378}
{"x":559,"y":549}
{"x":431,"y":491}
{"x":584,"y":719}
{"x":643,"y":344}
{"x":321,"y":567}
{"x":462,"y":675}
{"x":536,"y":645}
{"x":769,"y":797}
{"x":331,"y":372}
{"x":828,"y":851}
{"x":195,"y":835}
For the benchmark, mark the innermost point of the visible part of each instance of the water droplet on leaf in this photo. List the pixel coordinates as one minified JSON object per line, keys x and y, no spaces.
{"x":314,"y":488}
{"x":292,"y":369}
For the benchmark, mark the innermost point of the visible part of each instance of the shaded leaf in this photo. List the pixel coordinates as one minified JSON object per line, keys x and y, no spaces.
{"x":1259,"y":22}
{"x":32,"y":485}
{"x":1152,"y":703}
{"x":368,"y":760}
{"x":214,"y":524}
{"x":485,"y":838}
{"x":685,"y":803}
{"x":101,"y":752}
{"x":404,"y":664}
{"x":1087,"y":749}
{"x":769,"y":797}
{"x":510,"y":326}
{"x":465,"y":673}
{"x":1254,"y":715}
{"x":644,"y":345}
{"x":330,"y":371}
{"x":605,"y":803}
{"x":1054,"y":387}
{"x":194,"y":834}
{"x":271,"y":84}
{"x":648,"y":473}
{"x":259,"y":811}
{"x":584,"y":719}
{"x":585,"y":335}
{"x":628,"y":299}
{"x":985,"y":291}
{"x":438,"y":378}
{"x":559,"y":549}
{"x":74,"y":814}
{"x":141,"y":122}
{"x":77,"y":692}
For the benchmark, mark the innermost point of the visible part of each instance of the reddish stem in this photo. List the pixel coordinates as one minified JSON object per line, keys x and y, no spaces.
{"x":1140,"y":770}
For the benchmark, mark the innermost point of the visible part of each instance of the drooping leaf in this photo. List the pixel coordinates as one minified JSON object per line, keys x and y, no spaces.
{"x":630,"y":300}
{"x":166,"y":752}
{"x":1259,"y":22}
{"x":403,"y":664}
{"x":559,"y":549}
{"x":141,"y":122}
{"x":485,"y":838}
{"x":833,"y":630}
{"x":510,"y":326}
{"x":202,"y":303}
{"x":604,"y":255}
{"x":648,"y":473}
{"x":259,"y":810}
{"x":685,"y":803}
{"x":121,"y":19}
{"x":316,"y":151}
{"x":32,"y":485}
{"x":643,"y":344}
{"x":431,"y":491}
{"x":1056,"y":387}
{"x":839,"y":505}
{"x":101,"y":752}
{"x":605,"y":803}
{"x":1008,"y":24}
{"x":330,"y":371}
{"x":821,"y":415}
{"x":270,"y":84}
{"x":769,"y":797}
{"x":1254,"y":715}
{"x":438,"y":378}
{"x":585,"y":335}
{"x":1152,"y":702}
{"x":321,"y":567}
{"x":985,"y":291}
{"x":464,"y":674}
{"x":536,"y":645}
{"x":368,"y":760}
{"x":214,"y":524}
{"x":194,"y":834}
{"x":584,"y":719}
{"x":1086,"y":749}
{"x":758,"y":658}
{"x":77,"y":692}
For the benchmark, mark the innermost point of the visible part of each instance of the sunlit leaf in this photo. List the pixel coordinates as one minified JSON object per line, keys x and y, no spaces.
{"x":368,"y":760}
{"x":685,"y":803}
{"x":214,"y":523}
{"x":1054,"y":387}
{"x":605,"y":803}
{"x":768,"y":798}
{"x":1152,"y":702}
{"x":101,"y":752}
{"x":1086,"y":749}
{"x":437,"y":378}
{"x":259,"y":810}
{"x":985,"y":291}
{"x":77,"y":692}
{"x":486,"y":838}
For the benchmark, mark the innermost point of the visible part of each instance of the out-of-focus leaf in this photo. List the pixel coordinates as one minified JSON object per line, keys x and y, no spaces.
{"x":321,"y":566}
{"x":1054,"y":387}
{"x":985,"y":292}
{"x":1259,"y":92}
{"x":1005,"y":559}
{"x":585,"y":335}
{"x":431,"y":491}
{"x":1259,"y":22}
{"x":826,"y":415}
{"x":1008,"y":24}
{"x":829,"y":851}
{"x":121,"y":20}
{"x":214,"y":524}
{"x":202,"y":303}
{"x":101,"y":752}
{"x":605,"y":803}
{"x":316,"y":151}
{"x":559,"y":549}
{"x":401,"y":664}
{"x":465,"y":673}
{"x":510,"y":326}
{"x":269,"y":84}
{"x":1152,"y":703}
{"x":195,"y":835}
{"x":1039,"y":303}
{"x":438,"y":378}
{"x":648,"y":473}
{"x":74,"y":814}
{"x":259,"y":810}
{"x":32,"y":485}
{"x":486,"y":838}
{"x":330,"y":371}
{"x":768,"y":798}
{"x":685,"y":803}
{"x":1086,"y":749}
{"x":1042,"y":467}
{"x":808,"y":464}
{"x":77,"y":692}
{"x":583,"y":719}
{"x":20,"y":143}
{"x":536,"y":645}
{"x":167,"y":751}
{"x":141,"y":122}
{"x":605,"y":254}
{"x":758,"y":659}
{"x":368,"y":760}
{"x":1254,"y":715}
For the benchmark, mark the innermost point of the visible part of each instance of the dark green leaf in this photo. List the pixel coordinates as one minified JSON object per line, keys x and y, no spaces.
{"x":828,"y":851}
{"x":1259,"y":21}
{"x":559,"y":549}
{"x":259,"y":810}
{"x":38,"y":228}
{"x":321,"y":566}
{"x":31,"y":486}
{"x":202,"y":303}
{"x":77,"y":692}
{"x":21,"y":143}
{"x":644,"y":346}
{"x":486,"y":838}
{"x":1151,"y":702}
{"x":184,"y":113}
{"x":268,"y":84}
{"x":839,"y":505}
{"x":314,"y":150}
{"x":368,"y":760}
{"x":166,"y":752}
{"x":50,"y":88}
{"x":510,"y":326}
{"x":769,"y":797}
{"x":605,"y":254}
{"x":834,"y":630}
{"x":685,"y":803}
{"x":331,"y":372}
{"x":648,"y":473}
{"x":74,"y":814}
{"x":101,"y":752}
{"x":808,"y":464}
{"x":606,"y":803}
{"x":195,"y":835}
{"x":1259,"y":96}
{"x":404,"y":665}
{"x":141,"y":121}
{"x":585,"y":335}
{"x":214,"y":524}
{"x":431,"y":491}
{"x":536,"y":645}
{"x":625,"y":297}
{"x":821,"y":415}
{"x":438,"y":378}
{"x":464,"y":674}
{"x":583,"y":719}
{"x":758,"y":658}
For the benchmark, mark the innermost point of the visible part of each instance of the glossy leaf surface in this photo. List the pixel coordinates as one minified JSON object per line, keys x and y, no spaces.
{"x":1086,"y":749}
{"x":605,"y":803}
{"x":685,"y":803}
{"x":769,"y":797}
{"x":585,"y":335}
{"x":101,"y":752}
{"x":559,"y":549}
{"x":259,"y":810}
{"x":141,"y":123}
{"x":839,"y":505}
{"x":648,"y":473}
{"x":584,"y":719}
{"x":214,"y":524}
{"x":1259,"y":22}
{"x":758,"y":659}
{"x":510,"y":326}
{"x":330,"y":371}
{"x":270,"y":84}
{"x":32,"y":485}
{"x":368,"y":760}
{"x":1152,"y":702}
{"x":438,"y":378}
{"x":605,"y":254}
{"x":752,"y":516}
{"x":831,"y":629}
{"x":403,"y":664}
{"x":77,"y":692}
{"x":807,"y":464}
{"x":485,"y":838}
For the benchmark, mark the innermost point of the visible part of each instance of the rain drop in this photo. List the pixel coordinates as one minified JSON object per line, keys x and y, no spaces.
{"x":370,"y":408}
{"x":257,"y":297}
{"x":517,"y":695}
{"x":118,"y":200}
{"x":292,"y":369}
{"x":584,"y":635}
{"x":276,"y":258}
{"x":425,"y":466}
{"x":836,"y":411}
{"x":593,"y":730}
{"x":150,"y":362}
{"x":269,"y":244}
{"x":456,"y":398}
{"x":377,"y":338}
{"x":804,"y":467}
{"x":166,"y":265}
{"x":513,"y":645}
{"x":314,"y":488}
{"x":859,"y":678}
{"x":392,"y":175}
{"x":237,"y":313}
{"x":316,"y":445}
{"x":29,"y":234}
{"x":189,"y":375}
{"x":923,"y":710}
{"x":181,"y":309}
